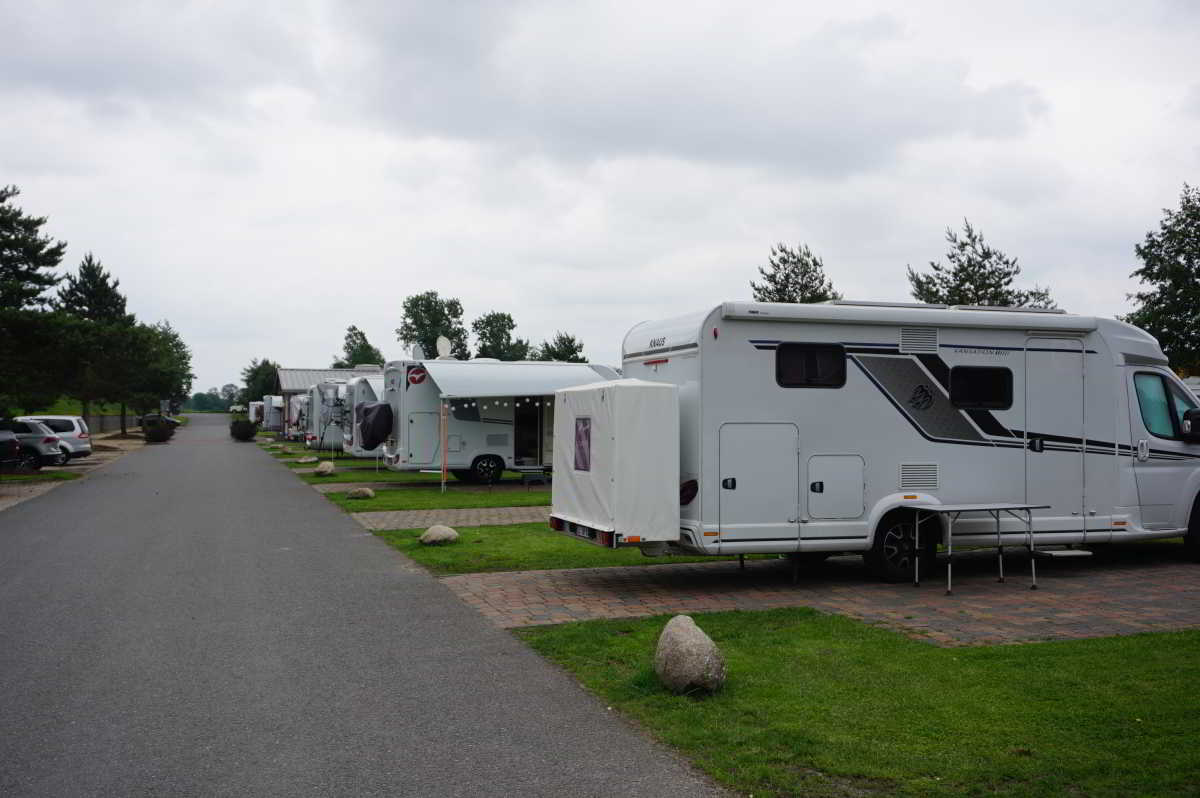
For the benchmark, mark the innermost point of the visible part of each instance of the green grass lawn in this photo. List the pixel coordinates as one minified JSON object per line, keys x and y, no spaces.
{"x":825,"y":705}
{"x":382,"y":475}
{"x":45,"y":475}
{"x":517,"y":547}
{"x":434,"y":499}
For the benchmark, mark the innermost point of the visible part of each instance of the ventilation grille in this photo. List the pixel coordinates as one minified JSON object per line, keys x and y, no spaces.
{"x":919,"y":339}
{"x":497,"y":440}
{"x":918,"y":476}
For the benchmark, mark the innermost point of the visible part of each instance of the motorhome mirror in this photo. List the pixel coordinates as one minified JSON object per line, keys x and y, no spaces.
{"x":1191,"y":425}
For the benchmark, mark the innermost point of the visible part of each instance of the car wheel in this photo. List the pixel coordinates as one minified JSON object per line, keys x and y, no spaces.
{"x":893,"y":554}
{"x":66,"y":456}
{"x":488,"y":469}
{"x":30,"y":460}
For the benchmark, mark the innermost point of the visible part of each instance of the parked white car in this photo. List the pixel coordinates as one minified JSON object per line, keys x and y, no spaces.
{"x":74,"y":439}
{"x":39,"y":446}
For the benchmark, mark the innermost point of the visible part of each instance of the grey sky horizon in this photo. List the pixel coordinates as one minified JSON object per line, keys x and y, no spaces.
{"x":265,"y":175}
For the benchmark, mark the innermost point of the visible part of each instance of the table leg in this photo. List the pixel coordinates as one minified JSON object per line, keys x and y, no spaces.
{"x":999,"y":545}
{"x":949,"y":553}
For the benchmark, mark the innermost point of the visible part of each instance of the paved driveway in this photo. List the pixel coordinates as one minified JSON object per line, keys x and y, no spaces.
{"x":194,"y":620}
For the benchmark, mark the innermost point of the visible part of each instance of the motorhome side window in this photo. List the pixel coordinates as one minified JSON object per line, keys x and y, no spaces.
{"x":981,"y":387}
{"x":1162,"y":404}
{"x":810,"y":365}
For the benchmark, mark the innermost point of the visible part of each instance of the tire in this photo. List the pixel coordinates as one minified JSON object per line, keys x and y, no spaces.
{"x":66,"y":456}
{"x":892,"y":555}
{"x":463,"y":474}
{"x":30,"y":460}
{"x":488,"y":469}
{"x":1191,"y":541}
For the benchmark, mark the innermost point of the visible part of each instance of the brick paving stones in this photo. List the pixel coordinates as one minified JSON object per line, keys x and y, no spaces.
{"x":1128,"y":590}
{"x":480,"y":516}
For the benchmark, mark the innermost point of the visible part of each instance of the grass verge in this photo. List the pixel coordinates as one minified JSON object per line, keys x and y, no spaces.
{"x":824,"y":705}
{"x":41,"y":476}
{"x":434,"y":499}
{"x":516,"y":547}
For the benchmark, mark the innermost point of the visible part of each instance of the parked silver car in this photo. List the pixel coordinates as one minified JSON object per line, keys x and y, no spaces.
{"x":39,"y":446}
{"x":75,"y":440}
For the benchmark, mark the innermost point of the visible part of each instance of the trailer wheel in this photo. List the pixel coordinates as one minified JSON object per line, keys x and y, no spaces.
{"x":463,"y":474}
{"x":893,"y":554}
{"x":1191,"y":541}
{"x":487,"y":469}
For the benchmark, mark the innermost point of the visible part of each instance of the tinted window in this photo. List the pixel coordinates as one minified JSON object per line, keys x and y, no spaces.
{"x":59,"y":424}
{"x":583,"y":444}
{"x":982,"y":387}
{"x":810,"y":365}
{"x":1153,"y":403}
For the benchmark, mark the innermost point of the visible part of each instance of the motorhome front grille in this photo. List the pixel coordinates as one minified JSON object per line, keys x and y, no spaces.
{"x":918,"y":476}
{"x":918,"y":339}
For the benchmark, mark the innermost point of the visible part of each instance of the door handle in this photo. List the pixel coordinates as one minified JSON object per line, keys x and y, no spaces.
{"x":817,"y":487}
{"x":1143,"y":450}
{"x":729,"y":483}
{"x":1037,"y":444}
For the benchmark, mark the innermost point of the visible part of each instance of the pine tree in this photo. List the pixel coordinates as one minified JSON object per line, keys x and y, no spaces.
{"x":793,"y":275}
{"x":1169,"y":308}
{"x":92,"y":293}
{"x":26,"y":256}
{"x":976,"y":274}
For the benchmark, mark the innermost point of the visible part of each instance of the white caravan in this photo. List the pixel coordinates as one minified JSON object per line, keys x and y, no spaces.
{"x":255,"y":413}
{"x":326,"y":403}
{"x":297,"y":410}
{"x":476,"y":418}
{"x":359,"y":391}
{"x":272,"y":409}
{"x":805,"y":429}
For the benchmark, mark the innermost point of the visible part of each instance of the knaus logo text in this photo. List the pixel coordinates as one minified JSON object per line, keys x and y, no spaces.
{"x":657,"y":342}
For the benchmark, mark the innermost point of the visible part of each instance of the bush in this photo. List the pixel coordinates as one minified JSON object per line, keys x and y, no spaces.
{"x":242,"y":429}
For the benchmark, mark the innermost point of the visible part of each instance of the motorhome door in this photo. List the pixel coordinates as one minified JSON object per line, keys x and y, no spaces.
{"x":422,"y":437}
{"x":1054,"y":431}
{"x":759,"y":482}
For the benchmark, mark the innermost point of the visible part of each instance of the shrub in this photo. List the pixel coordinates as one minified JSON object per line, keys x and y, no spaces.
{"x":242,"y":429}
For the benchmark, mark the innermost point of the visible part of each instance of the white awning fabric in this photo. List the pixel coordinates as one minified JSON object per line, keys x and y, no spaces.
{"x":472,"y":379}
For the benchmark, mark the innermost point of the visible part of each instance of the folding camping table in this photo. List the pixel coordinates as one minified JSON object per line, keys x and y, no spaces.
{"x":951,"y":512}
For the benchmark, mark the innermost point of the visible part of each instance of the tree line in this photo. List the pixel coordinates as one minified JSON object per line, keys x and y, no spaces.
{"x":976,"y":273}
{"x":71,"y":335}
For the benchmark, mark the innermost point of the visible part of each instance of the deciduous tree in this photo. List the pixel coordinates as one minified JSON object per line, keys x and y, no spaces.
{"x":494,"y":336}
{"x":260,"y":378}
{"x":562,"y":347}
{"x":1169,"y":306}
{"x":426,"y":316}
{"x":356,"y":350}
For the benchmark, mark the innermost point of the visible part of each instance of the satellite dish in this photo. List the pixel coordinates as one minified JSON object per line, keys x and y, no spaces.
{"x":417,"y":352}
{"x":443,"y":346}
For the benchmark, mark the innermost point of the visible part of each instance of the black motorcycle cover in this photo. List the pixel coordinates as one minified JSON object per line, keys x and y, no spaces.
{"x":376,"y":424}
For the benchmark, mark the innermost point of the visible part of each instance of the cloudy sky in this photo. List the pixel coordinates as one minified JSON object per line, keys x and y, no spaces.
{"x":265,"y":174}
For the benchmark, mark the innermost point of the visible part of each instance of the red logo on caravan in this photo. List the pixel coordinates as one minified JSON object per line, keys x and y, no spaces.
{"x":416,"y":375}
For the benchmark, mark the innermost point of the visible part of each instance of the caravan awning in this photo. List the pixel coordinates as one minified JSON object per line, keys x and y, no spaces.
{"x":467,"y":379}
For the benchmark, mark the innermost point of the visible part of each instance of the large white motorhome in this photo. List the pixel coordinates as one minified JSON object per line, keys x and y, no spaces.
{"x":808,"y":429}
{"x":476,"y":418}
{"x":297,"y":411}
{"x":255,"y":412}
{"x":326,"y":404}
{"x":359,"y":391}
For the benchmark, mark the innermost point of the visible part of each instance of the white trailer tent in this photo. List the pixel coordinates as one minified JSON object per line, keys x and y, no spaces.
{"x":359,"y":391}
{"x":326,"y":403}
{"x":255,"y":412}
{"x":297,"y":409}
{"x":811,"y":429}
{"x":476,"y":418}
{"x":273,"y":413}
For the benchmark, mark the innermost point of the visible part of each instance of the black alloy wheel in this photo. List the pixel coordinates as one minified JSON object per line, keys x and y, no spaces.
{"x":488,"y":469}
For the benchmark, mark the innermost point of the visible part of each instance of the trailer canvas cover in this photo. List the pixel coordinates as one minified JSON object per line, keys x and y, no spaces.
{"x":623,"y":461}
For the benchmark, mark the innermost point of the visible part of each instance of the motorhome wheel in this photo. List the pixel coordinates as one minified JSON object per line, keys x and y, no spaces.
{"x":488,"y":469}
{"x":892,"y":555}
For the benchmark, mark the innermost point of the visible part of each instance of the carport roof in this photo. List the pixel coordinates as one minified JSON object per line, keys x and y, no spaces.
{"x":297,"y":380}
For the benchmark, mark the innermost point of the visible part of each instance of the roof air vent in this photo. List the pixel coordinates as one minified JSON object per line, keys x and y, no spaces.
{"x":918,"y":339}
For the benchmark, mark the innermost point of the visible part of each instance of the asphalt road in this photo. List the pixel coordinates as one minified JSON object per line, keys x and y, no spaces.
{"x":192,"y":620}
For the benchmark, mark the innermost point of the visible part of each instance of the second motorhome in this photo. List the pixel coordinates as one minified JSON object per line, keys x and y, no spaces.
{"x":326,"y":404}
{"x":360,"y":391}
{"x":812,"y":429}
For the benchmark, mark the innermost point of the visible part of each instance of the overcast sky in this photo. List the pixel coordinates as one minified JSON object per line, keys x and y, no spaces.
{"x":265,"y":174}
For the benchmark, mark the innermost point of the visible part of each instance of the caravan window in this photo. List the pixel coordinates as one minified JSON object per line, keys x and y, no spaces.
{"x":981,"y":387}
{"x":810,"y":365}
